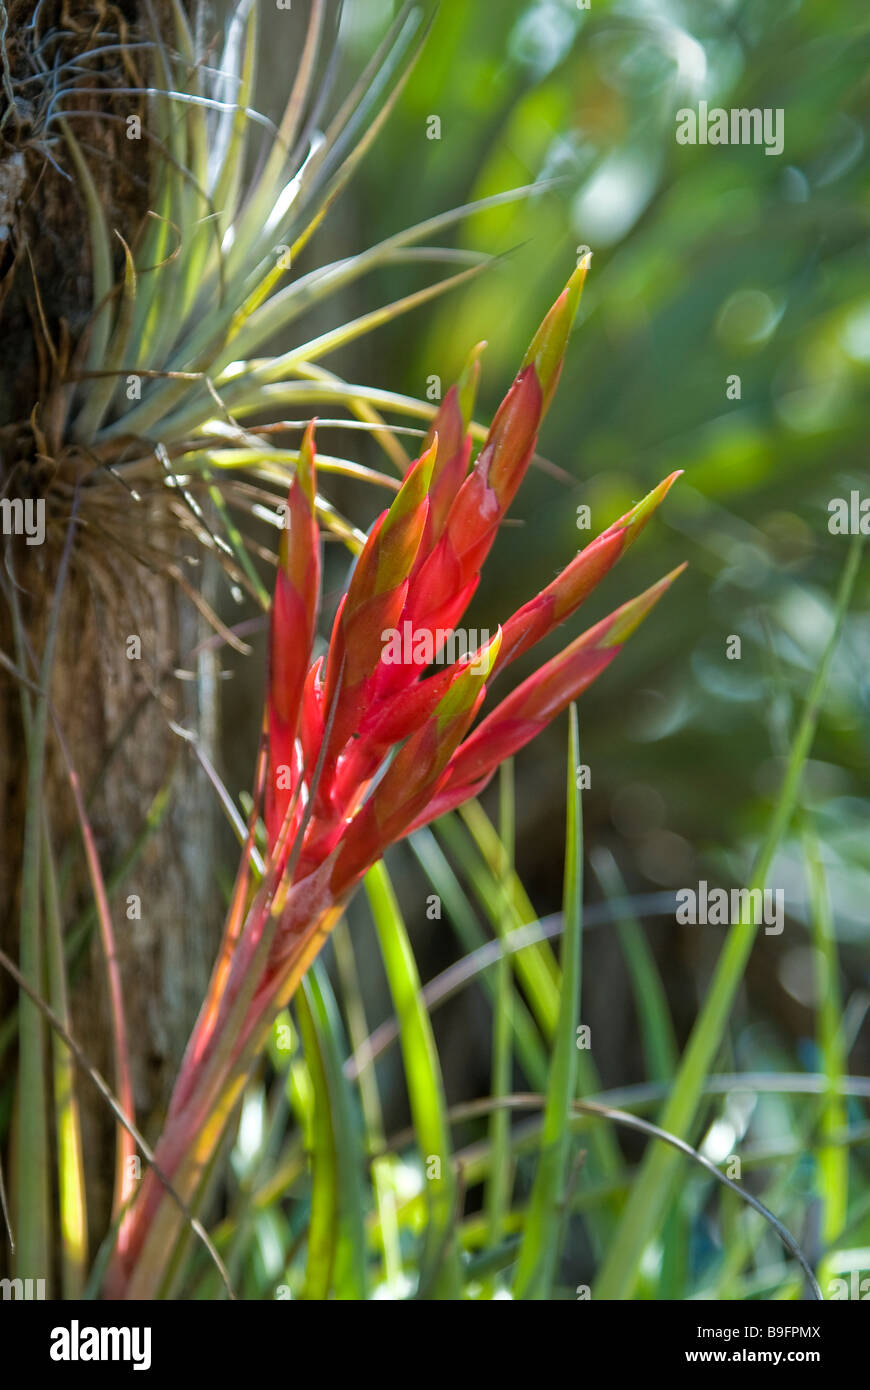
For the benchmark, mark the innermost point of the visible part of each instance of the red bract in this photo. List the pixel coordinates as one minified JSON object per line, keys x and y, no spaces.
{"x":294,"y":619}
{"x":415,"y":578}
{"x":363,"y":748}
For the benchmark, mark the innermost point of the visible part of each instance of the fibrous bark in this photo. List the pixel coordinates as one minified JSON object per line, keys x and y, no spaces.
{"x":113,"y":706}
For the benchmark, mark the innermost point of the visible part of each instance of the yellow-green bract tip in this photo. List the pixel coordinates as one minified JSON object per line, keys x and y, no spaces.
{"x":414,"y":488}
{"x":465,"y":689}
{"x":305,"y":468}
{"x":467,"y":384}
{"x":547,"y":348}
{"x":630,"y":616}
{"x":634,"y":521}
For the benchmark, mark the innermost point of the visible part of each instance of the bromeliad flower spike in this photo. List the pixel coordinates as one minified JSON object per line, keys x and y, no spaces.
{"x":359,"y":751}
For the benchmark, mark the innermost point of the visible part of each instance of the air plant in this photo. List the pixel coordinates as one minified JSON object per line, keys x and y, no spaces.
{"x":359,"y":752}
{"x":172,"y":365}
{"x":157,"y":394}
{"x":141,"y":439}
{"x":148,"y":431}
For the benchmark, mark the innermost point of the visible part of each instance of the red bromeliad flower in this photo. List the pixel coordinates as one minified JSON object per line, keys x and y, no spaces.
{"x":362,"y":748}
{"x":416,"y":576}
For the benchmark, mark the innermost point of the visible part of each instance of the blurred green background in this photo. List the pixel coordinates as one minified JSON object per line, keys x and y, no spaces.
{"x":710,"y":263}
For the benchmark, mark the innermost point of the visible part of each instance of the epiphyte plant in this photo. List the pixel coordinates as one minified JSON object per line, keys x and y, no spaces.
{"x":147,"y":435}
{"x":357,"y":752}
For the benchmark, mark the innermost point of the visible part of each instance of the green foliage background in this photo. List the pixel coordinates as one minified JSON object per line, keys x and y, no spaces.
{"x":708,"y":262}
{"x":423,"y":1134}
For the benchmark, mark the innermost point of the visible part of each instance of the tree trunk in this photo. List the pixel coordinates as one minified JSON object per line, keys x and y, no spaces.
{"x":113,"y":705}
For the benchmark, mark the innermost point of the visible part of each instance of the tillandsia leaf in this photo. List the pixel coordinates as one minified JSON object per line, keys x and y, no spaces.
{"x":537,"y":618}
{"x":274,"y":368}
{"x":101,"y":256}
{"x":229,"y":258}
{"x":373,"y":604}
{"x":99,"y":399}
{"x":253,"y":325}
{"x":282,"y":307}
{"x":529,"y":708}
{"x":445,"y":582}
{"x":416,"y":771}
{"x":207,"y":339}
{"x":293,"y":624}
{"x":440,"y":1262}
{"x":72,"y":1199}
{"x":451,"y":428}
{"x":541,"y":1244}
{"x":236,"y":82}
{"x":371,"y":745}
{"x":263,"y":197}
{"x":330,"y":149}
{"x":547,"y":349}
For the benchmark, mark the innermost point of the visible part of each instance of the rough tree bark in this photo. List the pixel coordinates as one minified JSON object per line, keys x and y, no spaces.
{"x":114,"y":711}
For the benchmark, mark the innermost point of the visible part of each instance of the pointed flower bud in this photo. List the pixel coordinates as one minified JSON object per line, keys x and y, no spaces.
{"x":537,"y":618}
{"x":291,"y":634}
{"x":362,"y":752}
{"x":547,"y":349}
{"x":529,"y":708}
{"x":416,"y":771}
{"x":454,"y":448}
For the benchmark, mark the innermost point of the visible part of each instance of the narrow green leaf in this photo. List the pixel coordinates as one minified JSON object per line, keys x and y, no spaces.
{"x":102,"y":389}
{"x":833,"y":1163}
{"x":72,"y":1204}
{"x":461,"y":916}
{"x":33,"y":1221}
{"x":498,"y":1188}
{"x":541,"y":1244}
{"x":238,"y":66}
{"x":323,"y":1222}
{"x":534,"y":964}
{"x":386,"y":1225}
{"x":652,"y":1190}
{"x":349,"y":1275}
{"x":650,"y":1001}
{"x":102,"y":273}
{"x":440,"y":1261}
